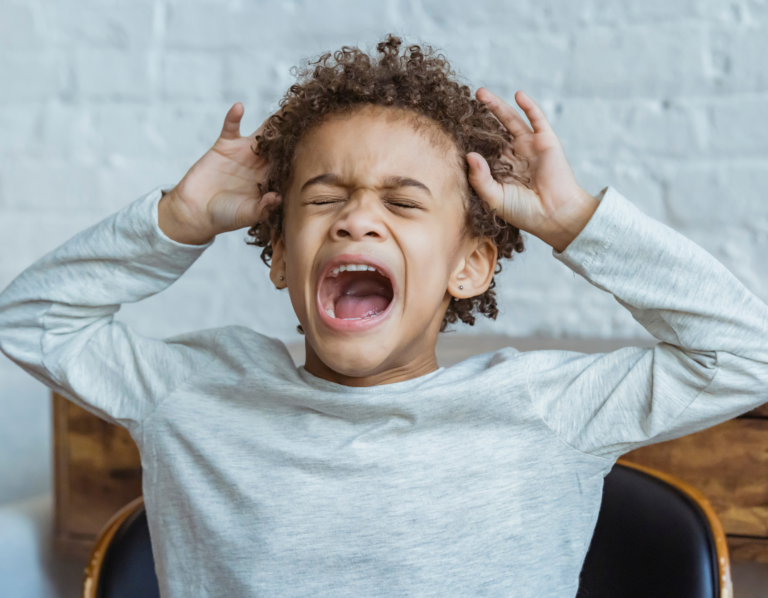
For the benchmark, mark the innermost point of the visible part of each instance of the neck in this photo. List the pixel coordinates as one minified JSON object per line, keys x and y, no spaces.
{"x":422,"y":363}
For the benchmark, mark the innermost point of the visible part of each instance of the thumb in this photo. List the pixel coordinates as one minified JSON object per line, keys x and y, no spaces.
{"x":259,"y":208}
{"x":231,"y":127}
{"x":487,"y":188}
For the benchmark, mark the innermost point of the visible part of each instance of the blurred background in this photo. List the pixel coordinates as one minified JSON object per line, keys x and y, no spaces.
{"x":102,"y":101}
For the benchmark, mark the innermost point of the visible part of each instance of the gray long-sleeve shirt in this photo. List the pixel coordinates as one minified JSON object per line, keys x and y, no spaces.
{"x":482,"y":479}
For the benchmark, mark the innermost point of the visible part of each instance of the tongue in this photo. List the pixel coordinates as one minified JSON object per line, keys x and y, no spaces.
{"x":351,"y":306}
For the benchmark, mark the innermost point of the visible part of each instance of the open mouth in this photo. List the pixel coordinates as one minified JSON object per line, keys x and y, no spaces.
{"x":355,"y":292}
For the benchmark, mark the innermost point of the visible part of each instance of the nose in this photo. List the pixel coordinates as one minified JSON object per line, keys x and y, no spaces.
{"x":360,"y":220}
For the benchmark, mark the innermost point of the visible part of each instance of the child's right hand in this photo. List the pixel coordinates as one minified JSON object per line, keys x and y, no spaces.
{"x":220,"y":192}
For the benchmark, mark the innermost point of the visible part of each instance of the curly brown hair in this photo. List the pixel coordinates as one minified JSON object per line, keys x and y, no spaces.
{"x":419,"y":81}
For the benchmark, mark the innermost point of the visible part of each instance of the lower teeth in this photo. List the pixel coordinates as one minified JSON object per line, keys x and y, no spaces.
{"x":331,"y":313}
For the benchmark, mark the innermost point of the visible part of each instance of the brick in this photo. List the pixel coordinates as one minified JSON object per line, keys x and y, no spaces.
{"x":540,"y":296}
{"x":50,"y":187}
{"x":162,"y":131}
{"x":633,"y":179}
{"x":125,"y":180}
{"x":734,"y":59}
{"x":238,"y":271}
{"x":592,"y":313}
{"x":259,"y":80}
{"x":640,"y":62}
{"x":113,"y":74}
{"x":19,"y":125}
{"x":662,"y":100}
{"x":189,"y":299}
{"x":607,"y":129}
{"x":714,"y":193}
{"x":739,"y":126}
{"x":126,"y":24}
{"x":534,"y":63}
{"x":591,"y":128}
{"x":67,"y":132}
{"x":441,"y":14}
{"x":31,"y":76}
{"x":343,"y":18}
{"x":216,"y":27}
{"x":27,"y":235}
{"x":510,"y":18}
{"x":192,"y":76}
{"x":662,"y":10}
{"x":18,"y":28}
{"x":188,"y":131}
{"x":741,"y":251}
{"x":126,"y":131}
{"x":665,"y":128}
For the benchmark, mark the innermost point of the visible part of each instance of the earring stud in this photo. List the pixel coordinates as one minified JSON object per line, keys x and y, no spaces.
{"x":461,"y":286}
{"x":281,"y":278}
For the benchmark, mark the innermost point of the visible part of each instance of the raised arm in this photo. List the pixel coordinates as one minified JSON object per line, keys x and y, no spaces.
{"x":57,"y":316}
{"x":710,"y":366}
{"x":712,"y":362}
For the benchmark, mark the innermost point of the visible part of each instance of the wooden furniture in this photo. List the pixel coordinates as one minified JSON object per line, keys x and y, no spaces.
{"x":98,"y":470}
{"x":728,"y":463}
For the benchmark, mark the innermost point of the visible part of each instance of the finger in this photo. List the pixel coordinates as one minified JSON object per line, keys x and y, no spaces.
{"x":535,"y":114}
{"x":258,"y":209}
{"x":488,"y":189}
{"x":507,"y":115}
{"x":268,"y":201}
{"x":231,"y":128}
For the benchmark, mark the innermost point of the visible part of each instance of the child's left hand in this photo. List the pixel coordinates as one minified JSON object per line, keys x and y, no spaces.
{"x":550,"y":205}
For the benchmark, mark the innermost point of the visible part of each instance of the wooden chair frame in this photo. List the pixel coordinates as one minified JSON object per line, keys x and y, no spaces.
{"x":99,"y":550}
{"x":721,"y":544}
{"x":96,"y":560}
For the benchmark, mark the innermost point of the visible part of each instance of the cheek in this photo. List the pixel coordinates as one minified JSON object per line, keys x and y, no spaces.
{"x":301,"y":243}
{"x":431,"y":257}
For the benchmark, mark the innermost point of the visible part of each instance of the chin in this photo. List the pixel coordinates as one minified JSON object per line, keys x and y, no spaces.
{"x":353,"y":357}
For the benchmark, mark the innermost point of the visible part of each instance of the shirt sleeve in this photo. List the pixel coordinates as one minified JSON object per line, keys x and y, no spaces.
{"x":710,"y":365}
{"x":57,"y":316}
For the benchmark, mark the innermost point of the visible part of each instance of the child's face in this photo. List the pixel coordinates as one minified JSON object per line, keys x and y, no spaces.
{"x":371,"y":191}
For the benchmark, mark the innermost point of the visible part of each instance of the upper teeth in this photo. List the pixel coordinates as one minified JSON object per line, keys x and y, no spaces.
{"x":355,"y":268}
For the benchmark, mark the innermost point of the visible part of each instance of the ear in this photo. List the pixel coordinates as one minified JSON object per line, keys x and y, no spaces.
{"x":475,"y":270}
{"x":277,"y":270}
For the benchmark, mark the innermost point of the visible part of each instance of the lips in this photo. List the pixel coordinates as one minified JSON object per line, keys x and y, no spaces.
{"x":354,"y":292}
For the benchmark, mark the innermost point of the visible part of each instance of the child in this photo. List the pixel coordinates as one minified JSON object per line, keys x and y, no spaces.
{"x":370,"y":471}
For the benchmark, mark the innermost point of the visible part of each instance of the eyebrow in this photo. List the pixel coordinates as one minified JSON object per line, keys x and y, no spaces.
{"x":390,"y":182}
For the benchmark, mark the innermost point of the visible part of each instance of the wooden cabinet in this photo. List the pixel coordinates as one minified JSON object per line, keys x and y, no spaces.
{"x":97,"y":471}
{"x":728,"y":463}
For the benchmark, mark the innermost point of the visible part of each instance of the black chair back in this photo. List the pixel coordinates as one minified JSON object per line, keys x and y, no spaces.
{"x":128,"y":570}
{"x":651,"y":540}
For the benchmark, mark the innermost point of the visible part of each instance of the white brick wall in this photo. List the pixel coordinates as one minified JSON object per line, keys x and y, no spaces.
{"x":102,"y":100}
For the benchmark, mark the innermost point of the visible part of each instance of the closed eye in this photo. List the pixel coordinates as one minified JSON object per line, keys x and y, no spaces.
{"x":329,"y":200}
{"x":326,"y":200}
{"x":403,"y":204}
